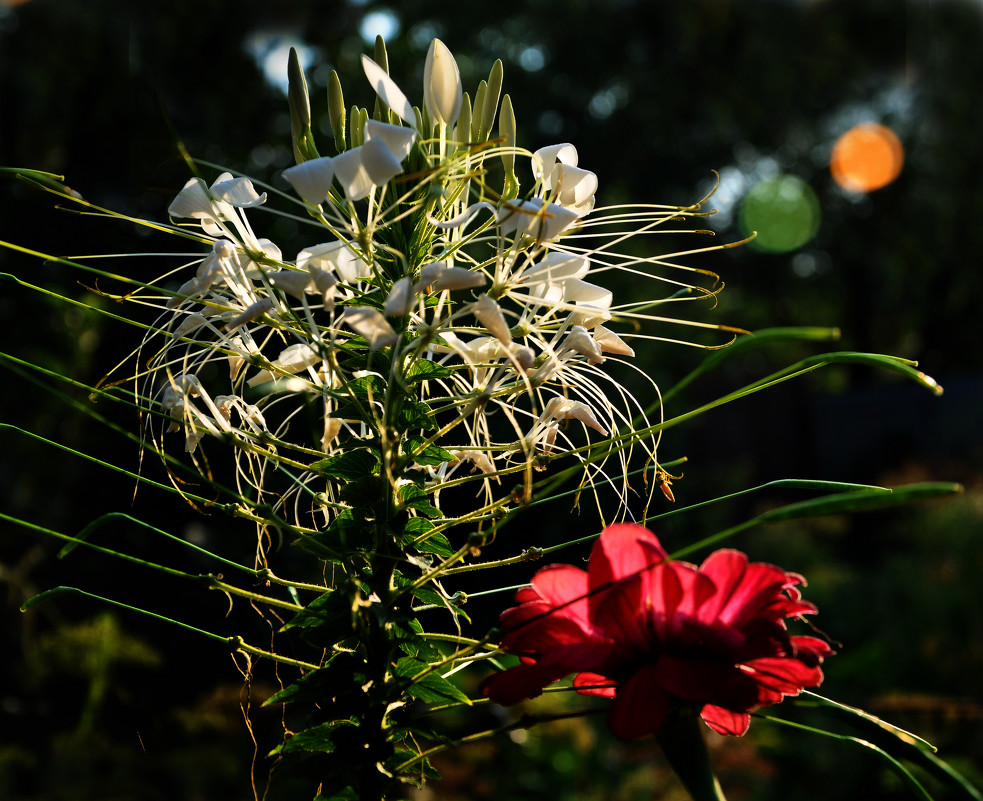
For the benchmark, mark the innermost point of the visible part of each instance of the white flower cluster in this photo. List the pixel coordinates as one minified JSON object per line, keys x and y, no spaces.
{"x":418,"y":259}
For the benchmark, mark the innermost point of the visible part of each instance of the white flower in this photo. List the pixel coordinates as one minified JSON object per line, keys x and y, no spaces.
{"x":397,"y":138}
{"x":565,"y":409}
{"x":556,"y":168}
{"x":400,"y":299}
{"x":291,"y":360}
{"x":365,"y":167}
{"x":538,"y":218}
{"x":312,"y":179}
{"x":370,"y":324}
{"x":218,"y":205}
{"x":336,"y":257}
{"x":442,"y":90}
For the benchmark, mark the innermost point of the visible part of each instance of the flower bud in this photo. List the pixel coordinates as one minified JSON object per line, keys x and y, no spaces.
{"x":442,"y":91}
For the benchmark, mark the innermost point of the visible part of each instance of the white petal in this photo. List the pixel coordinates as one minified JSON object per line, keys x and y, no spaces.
{"x":581,"y":341}
{"x":332,"y":426}
{"x":253,"y":312}
{"x":593,"y":302}
{"x":490,"y":316}
{"x":192,"y":201}
{"x":388,"y":92}
{"x":565,"y":409}
{"x":295,"y":358}
{"x":555,"y":268}
{"x":457,"y":278}
{"x":537,"y":218}
{"x":190,"y":323}
{"x":293,"y":282}
{"x":400,"y":299}
{"x":379,"y":161}
{"x":574,"y":186}
{"x":442,"y":91}
{"x":312,"y":179}
{"x":545,"y":160}
{"x":238,"y":192}
{"x":335,"y":256}
{"x":370,"y":324}
{"x":398,"y":138}
{"x":610,"y":342}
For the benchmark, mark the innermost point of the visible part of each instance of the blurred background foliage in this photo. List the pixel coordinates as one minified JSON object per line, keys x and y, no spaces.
{"x":100,"y":705}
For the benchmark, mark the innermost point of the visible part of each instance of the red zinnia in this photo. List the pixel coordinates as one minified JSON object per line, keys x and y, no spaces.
{"x":655,"y":634}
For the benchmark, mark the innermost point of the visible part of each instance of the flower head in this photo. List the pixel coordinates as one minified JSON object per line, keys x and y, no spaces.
{"x":656,"y":635}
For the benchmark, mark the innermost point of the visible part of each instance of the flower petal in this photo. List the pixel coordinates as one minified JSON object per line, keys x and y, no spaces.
{"x":723,"y":721}
{"x":312,"y":179}
{"x":387,"y":90}
{"x":370,"y":324}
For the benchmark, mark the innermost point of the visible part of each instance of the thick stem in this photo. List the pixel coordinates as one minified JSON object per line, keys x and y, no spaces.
{"x":682,"y":742}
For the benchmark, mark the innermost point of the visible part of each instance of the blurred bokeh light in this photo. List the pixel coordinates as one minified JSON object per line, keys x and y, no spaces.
{"x":867,"y":157}
{"x":783,"y":211}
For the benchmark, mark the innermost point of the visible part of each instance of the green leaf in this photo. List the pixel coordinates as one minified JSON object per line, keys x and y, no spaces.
{"x":412,"y":497}
{"x":899,"y":743}
{"x":431,"y":455}
{"x":426,"y":370}
{"x":848,"y":502}
{"x":430,"y":687}
{"x":317,"y":738}
{"x":332,"y":610}
{"x":348,"y":466}
{"x":417,"y":535}
{"x":906,"y":776}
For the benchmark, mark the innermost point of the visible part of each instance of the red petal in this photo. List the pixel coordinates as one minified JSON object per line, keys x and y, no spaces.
{"x":622,"y":551}
{"x":786,"y":676}
{"x":723,"y":721}
{"x":623,"y":616}
{"x":594,"y":684}
{"x":640,"y":707}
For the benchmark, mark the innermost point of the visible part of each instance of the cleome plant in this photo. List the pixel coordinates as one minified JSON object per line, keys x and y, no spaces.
{"x":436,"y":354}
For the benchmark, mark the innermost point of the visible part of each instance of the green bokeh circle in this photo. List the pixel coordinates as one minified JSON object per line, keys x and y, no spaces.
{"x":783,"y":210}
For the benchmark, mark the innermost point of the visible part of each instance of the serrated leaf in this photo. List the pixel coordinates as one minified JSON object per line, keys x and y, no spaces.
{"x":332,"y":610}
{"x":426,"y":370}
{"x":431,"y":687}
{"x":348,"y":466}
{"x":317,"y":738}
{"x":417,"y":534}
{"x":412,"y":497}
{"x":433,"y":454}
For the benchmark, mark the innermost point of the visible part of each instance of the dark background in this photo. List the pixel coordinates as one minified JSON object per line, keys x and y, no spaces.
{"x":96,"y":704}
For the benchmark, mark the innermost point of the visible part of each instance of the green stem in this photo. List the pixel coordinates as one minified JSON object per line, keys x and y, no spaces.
{"x":682,"y":742}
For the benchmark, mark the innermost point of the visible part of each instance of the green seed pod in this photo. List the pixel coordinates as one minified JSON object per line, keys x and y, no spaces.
{"x":299,"y":102}
{"x":492,"y":94}
{"x":336,"y":111}
{"x":462,"y":132}
{"x":477,"y":134}
{"x":506,"y":130}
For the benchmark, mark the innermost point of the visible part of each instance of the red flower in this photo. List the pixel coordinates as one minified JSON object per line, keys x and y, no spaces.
{"x":655,"y":635}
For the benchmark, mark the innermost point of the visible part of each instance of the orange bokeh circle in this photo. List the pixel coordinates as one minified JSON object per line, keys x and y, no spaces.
{"x":866,"y":157}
